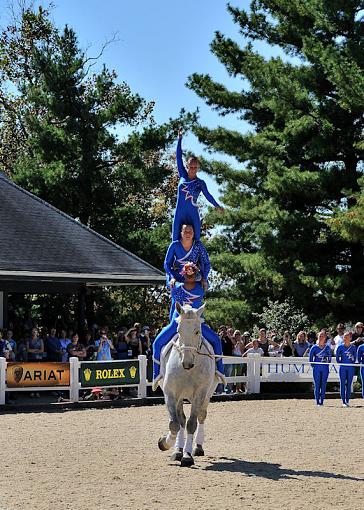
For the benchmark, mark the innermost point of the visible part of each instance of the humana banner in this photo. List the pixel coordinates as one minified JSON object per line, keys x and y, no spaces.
{"x":103,"y":373}
{"x":36,"y":374}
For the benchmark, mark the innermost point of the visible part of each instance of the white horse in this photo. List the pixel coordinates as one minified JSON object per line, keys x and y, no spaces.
{"x":189,"y":375}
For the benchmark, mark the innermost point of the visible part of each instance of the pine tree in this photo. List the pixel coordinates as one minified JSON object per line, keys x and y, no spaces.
{"x":302,"y":159}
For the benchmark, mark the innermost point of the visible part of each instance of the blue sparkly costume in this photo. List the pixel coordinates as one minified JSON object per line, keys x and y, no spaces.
{"x":346,"y":355}
{"x":177,"y":257}
{"x":184,"y":297}
{"x":360,"y":359}
{"x":187,"y":195}
{"x":320,"y":372}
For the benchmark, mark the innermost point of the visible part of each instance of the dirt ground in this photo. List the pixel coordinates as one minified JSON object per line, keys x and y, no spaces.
{"x":259,"y":454}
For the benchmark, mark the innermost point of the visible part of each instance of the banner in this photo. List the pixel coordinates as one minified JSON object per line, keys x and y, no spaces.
{"x":33,"y":374}
{"x":104,"y":373}
{"x":295,"y":371}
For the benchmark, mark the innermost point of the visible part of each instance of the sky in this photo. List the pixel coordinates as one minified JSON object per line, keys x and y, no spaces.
{"x":159,"y":44}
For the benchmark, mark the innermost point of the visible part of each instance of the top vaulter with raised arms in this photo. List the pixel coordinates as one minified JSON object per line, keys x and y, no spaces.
{"x":186,"y":259}
{"x":189,"y":188}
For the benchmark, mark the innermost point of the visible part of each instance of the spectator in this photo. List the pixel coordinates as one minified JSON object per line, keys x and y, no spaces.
{"x":89,"y":346}
{"x":35,"y":346}
{"x":254,"y":349}
{"x":121,"y":346}
{"x":5,"y":348}
{"x":64,"y":341}
{"x":238,"y":350}
{"x":227,"y":350}
{"x":12,"y":342}
{"x":53,"y":346}
{"x":138,"y":328}
{"x":301,"y":347}
{"x":312,"y":337}
{"x":264,"y":342}
{"x":76,"y":349}
{"x":21,"y":350}
{"x":358,"y":336}
{"x":339,"y":338}
{"x":274,"y":347}
{"x":146,"y":341}
{"x":134,"y":343}
{"x":104,"y":347}
{"x":286,"y":345}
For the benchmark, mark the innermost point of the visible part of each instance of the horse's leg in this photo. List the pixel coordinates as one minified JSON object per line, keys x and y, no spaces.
{"x":187,"y":459}
{"x":166,"y":442}
{"x":180,"y":441}
{"x":200,"y":434}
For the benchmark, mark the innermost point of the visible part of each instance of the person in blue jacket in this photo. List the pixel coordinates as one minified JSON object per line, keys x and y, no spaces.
{"x":190,"y":293}
{"x":360,"y":359}
{"x":320,"y":353}
{"x":186,"y":250}
{"x":346,"y":354}
{"x":189,"y":189}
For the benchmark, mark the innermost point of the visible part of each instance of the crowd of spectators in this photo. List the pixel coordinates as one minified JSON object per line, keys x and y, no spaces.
{"x":41,"y":344}
{"x":234,"y":343}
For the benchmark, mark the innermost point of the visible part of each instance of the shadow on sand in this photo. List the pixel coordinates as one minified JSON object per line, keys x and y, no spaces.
{"x":270,"y":471}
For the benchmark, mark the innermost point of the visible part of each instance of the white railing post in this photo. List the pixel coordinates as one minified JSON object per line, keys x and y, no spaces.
{"x":2,"y":380}
{"x":250,"y":374}
{"x":257,"y":359}
{"x":142,"y":386}
{"x":74,"y":382}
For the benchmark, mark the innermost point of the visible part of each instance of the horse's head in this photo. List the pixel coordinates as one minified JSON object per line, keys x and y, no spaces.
{"x":189,"y":329}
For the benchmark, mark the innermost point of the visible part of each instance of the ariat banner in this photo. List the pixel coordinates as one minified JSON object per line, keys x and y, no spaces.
{"x":33,"y":374}
{"x":103,"y":373}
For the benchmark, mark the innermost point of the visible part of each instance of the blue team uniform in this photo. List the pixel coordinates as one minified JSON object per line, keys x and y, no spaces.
{"x":177,"y":257}
{"x":360,"y":359}
{"x":187,"y":195}
{"x":320,"y":372}
{"x":184,"y":297}
{"x":346,"y":355}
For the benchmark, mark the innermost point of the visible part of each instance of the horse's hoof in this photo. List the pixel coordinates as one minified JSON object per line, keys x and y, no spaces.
{"x":187,"y":460}
{"x":198,"y":451}
{"x":162,"y":444}
{"x":177,"y":454}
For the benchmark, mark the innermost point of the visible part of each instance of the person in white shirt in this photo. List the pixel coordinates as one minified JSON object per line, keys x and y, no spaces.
{"x":255,"y":349}
{"x":339,"y":338}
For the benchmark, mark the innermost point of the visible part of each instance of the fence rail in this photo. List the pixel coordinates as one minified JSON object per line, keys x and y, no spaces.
{"x":133,"y":373}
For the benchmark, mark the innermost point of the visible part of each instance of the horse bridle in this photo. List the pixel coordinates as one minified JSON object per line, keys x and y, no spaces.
{"x":181,"y":348}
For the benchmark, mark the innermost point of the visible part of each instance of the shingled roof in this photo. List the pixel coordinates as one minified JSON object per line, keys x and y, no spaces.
{"x":41,"y":243}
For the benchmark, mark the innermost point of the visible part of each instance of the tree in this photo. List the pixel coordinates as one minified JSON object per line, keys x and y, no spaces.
{"x":302,"y":160}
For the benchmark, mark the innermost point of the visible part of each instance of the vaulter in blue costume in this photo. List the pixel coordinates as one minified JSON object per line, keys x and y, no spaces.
{"x":186,"y":250}
{"x":189,"y":189}
{"x":346,"y":353}
{"x":188,"y":293}
{"x":360,"y":359}
{"x":320,"y":353}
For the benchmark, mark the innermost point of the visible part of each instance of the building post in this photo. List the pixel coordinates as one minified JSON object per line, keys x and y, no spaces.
{"x":2,"y":380}
{"x":142,"y":387}
{"x":74,"y":382}
{"x":2,"y":308}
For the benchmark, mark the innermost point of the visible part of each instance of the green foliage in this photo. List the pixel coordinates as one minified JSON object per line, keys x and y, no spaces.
{"x":292,"y":226}
{"x":281,"y":317}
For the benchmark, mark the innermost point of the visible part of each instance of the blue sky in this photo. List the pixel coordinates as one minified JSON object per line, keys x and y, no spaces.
{"x":160,"y":43}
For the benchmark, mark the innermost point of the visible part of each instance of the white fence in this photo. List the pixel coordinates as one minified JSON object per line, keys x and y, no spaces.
{"x":258,"y":369}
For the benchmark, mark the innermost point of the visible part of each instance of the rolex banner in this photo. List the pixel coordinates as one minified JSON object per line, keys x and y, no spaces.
{"x":33,"y":374}
{"x":103,"y":373}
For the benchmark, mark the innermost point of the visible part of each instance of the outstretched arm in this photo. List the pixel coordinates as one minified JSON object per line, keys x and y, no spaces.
{"x":204,"y":262}
{"x":181,"y":169}
{"x":208,"y":195}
